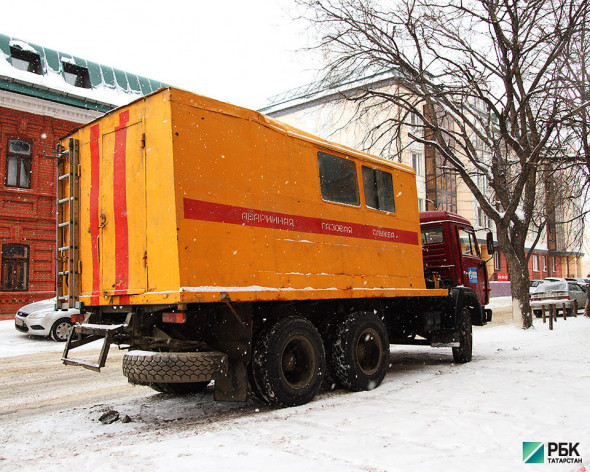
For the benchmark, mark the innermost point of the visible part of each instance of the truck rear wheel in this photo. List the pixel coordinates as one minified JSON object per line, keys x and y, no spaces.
{"x":288,"y":362}
{"x":360,"y":352}
{"x":463,"y":353}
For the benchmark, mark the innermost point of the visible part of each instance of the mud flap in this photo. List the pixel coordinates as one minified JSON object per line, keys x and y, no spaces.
{"x":233,"y":336}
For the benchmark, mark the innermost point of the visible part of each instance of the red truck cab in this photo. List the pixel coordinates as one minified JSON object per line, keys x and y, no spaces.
{"x":452,"y":256}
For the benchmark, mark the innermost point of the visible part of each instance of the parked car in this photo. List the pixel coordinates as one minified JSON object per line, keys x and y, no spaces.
{"x":536,"y":283}
{"x":566,"y":290}
{"x":42,"y":319}
{"x":584,"y":282}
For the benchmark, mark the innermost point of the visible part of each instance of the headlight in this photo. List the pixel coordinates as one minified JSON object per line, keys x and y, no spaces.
{"x":39,"y":314}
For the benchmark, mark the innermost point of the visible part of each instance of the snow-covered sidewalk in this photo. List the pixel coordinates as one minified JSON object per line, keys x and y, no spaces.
{"x":429,"y":414}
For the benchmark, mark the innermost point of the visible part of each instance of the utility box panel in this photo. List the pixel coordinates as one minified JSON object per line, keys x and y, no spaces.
{"x":184,"y":199}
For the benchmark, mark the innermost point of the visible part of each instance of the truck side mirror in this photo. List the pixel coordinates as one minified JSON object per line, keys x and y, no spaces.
{"x":490,"y":243}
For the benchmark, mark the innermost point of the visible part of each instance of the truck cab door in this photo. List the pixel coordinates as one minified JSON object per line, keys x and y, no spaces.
{"x":472,"y":269}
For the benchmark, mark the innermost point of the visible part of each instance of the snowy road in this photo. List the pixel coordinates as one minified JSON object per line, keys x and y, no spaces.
{"x":429,"y":414}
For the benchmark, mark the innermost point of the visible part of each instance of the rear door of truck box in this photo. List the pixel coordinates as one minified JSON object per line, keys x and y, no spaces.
{"x":118,"y":208}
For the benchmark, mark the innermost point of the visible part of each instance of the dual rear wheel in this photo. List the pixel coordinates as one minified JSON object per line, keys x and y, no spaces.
{"x":289,"y":362}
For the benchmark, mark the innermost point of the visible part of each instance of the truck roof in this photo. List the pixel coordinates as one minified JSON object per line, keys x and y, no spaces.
{"x":441,"y":217}
{"x":206,"y":103}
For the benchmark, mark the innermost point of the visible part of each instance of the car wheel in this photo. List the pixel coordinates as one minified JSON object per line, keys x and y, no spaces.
{"x":61,"y":329}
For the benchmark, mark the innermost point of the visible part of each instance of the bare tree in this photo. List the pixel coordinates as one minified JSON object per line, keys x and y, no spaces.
{"x":478,"y":74}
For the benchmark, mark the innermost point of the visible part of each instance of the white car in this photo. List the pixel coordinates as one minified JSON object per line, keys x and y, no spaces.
{"x":41,"y":319}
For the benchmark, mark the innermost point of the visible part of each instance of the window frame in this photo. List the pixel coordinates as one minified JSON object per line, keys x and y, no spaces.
{"x":20,"y":159}
{"x":416,"y":161}
{"x":380,"y":191}
{"x":535,"y":263}
{"x":432,"y":230}
{"x":473,"y":246}
{"x":33,"y":59}
{"x":81,"y":73}
{"x":328,"y":183}
{"x":497,"y":261}
{"x":10,"y":273}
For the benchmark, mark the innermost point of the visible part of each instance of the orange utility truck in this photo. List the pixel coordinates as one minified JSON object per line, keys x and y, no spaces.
{"x":215,"y":243}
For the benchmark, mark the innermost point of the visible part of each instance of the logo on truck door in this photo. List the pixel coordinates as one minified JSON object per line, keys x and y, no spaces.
{"x":229,"y":214}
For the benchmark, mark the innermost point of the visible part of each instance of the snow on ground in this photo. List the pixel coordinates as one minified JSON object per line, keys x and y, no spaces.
{"x":429,"y":414}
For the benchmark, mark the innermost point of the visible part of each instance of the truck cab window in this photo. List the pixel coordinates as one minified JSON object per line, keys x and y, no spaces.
{"x":338,"y":179}
{"x":378,"y":187}
{"x":468,"y":243}
{"x":432,"y":235}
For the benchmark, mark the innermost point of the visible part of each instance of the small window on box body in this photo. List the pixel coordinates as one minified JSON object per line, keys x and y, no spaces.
{"x":338,"y":179}
{"x":378,"y":187}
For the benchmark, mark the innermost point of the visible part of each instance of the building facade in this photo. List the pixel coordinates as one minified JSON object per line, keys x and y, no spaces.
{"x":44,"y":94}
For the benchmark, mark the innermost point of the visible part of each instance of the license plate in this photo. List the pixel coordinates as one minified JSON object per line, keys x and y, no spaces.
{"x":19,"y":322}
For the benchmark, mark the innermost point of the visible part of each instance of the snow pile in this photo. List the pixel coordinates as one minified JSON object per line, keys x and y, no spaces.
{"x":429,"y":414}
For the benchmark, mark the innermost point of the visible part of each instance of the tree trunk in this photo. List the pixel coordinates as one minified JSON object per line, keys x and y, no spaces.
{"x":519,"y":280}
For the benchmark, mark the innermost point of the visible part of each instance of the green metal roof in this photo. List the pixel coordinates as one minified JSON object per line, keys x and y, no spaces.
{"x":108,"y":86}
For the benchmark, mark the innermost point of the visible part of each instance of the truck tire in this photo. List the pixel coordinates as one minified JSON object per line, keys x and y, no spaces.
{"x":163,"y":368}
{"x":288,"y":362}
{"x":359,"y":355}
{"x":463,"y":353}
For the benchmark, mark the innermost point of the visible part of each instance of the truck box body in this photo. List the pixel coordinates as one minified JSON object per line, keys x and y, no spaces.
{"x":183,"y":199}
{"x":217,"y":244}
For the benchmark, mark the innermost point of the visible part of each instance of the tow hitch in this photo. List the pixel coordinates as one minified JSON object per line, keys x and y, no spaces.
{"x":87,"y":333}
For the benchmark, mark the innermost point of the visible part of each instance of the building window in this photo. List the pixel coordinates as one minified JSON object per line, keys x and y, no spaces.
{"x":378,"y":187}
{"x":553,"y":265}
{"x":544,"y":263}
{"x":338,"y":179}
{"x":417,"y":163}
{"x":483,"y":220}
{"x":76,"y":75}
{"x":18,"y":164}
{"x":26,"y":60}
{"x":535,"y":263}
{"x":15,"y":267}
{"x":497,"y":261}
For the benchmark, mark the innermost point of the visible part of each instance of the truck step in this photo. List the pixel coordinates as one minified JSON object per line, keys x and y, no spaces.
{"x":87,"y":333}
